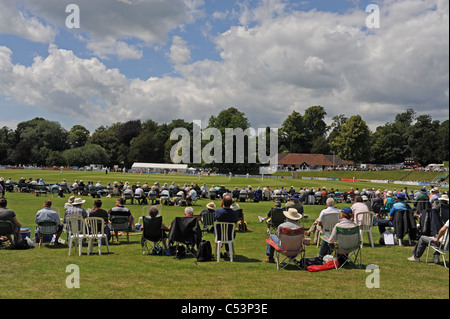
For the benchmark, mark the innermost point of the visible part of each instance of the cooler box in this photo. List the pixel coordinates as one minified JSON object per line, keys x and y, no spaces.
{"x":25,"y":232}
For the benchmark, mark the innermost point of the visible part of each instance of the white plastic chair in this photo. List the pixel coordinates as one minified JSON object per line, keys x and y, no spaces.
{"x":76,"y":232}
{"x":329,"y":221}
{"x":96,"y":231}
{"x":365,"y":223}
{"x":224,"y":230}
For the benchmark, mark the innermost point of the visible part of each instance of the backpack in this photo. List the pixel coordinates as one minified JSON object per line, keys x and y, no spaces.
{"x":204,"y":252}
{"x":242,"y":226}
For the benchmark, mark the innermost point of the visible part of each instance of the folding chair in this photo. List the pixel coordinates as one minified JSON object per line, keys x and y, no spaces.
{"x":207,"y":220}
{"x":290,"y":246}
{"x":120,"y":223}
{"x":329,"y":221}
{"x":187,"y":232}
{"x":442,"y":248}
{"x":152,"y":235}
{"x":96,"y":231}
{"x":46,"y":228}
{"x":365,"y":222}
{"x":276,"y":219}
{"x":224,"y":233}
{"x":348,"y":242}
{"x":76,"y":232}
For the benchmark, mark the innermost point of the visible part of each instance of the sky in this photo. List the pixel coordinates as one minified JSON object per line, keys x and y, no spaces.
{"x":190,"y":59}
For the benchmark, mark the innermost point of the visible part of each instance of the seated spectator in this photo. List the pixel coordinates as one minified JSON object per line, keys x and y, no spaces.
{"x":75,"y":209}
{"x":359,"y":207}
{"x":9,"y":215}
{"x":423,"y":242}
{"x":153,"y":213}
{"x":268,"y":217}
{"x":400,"y":205}
{"x":292,"y":219}
{"x":327,"y":247}
{"x":121,"y":210}
{"x":210,"y":207}
{"x":97,"y":211}
{"x":48,"y":214}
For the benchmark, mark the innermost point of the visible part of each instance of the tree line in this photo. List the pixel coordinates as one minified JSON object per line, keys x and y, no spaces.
{"x":46,"y":143}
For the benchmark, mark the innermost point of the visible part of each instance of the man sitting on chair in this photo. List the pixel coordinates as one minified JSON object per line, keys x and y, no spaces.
{"x":292,"y":218}
{"x":344,"y":222}
{"x":48,"y":214}
{"x":423,"y":242}
{"x":120,"y":210}
{"x":226,"y":214}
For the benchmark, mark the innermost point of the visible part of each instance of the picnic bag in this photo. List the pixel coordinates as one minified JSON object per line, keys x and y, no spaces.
{"x":204,"y":252}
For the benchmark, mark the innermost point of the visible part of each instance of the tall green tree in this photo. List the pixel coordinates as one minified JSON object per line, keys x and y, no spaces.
{"x":423,"y":140}
{"x":78,"y":136}
{"x":292,"y":136}
{"x":353,"y":142}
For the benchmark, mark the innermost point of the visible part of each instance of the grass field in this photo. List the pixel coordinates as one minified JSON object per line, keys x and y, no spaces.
{"x":40,"y":273}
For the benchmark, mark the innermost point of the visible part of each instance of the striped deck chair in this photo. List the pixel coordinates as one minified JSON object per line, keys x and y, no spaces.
{"x":290,"y":246}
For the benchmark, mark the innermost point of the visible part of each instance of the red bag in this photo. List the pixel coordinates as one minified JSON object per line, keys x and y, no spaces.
{"x":329,"y":265}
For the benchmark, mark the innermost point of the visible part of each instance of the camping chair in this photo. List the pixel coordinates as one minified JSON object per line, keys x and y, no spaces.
{"x":348,"y":242}
{"x":46,"y":228}
{"x":290,"y":246}
{"x":224,"y":233}
{"x":365,"y":223}
{"x":276,"y":220}
{"x":329,"y":221}
{"x":153,"y":235}
{"x":120,"y":223}
{"x":76,"y":232}
{"x":187,"y":232}
{"x":207,"y":220}
{"x":96,"y":231}
{"x":442,"y":248}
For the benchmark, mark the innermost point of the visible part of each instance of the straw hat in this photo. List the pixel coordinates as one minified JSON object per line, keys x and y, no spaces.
{"x":444,"y":198}
{"x":292,"y":214}
{"x":78,"y":201}
{"x":211,"y":205}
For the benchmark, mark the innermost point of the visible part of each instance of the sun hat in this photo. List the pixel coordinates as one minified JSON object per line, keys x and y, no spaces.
{"x":71,"y":199}
{"x":211,"y":205}
{"x":292,"y":214}
{"x":444,"y":197}
{"x":389,"y":194}
{"x":78,"y":201}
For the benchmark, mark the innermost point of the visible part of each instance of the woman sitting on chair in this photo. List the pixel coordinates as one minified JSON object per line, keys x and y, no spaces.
{"x":153,"y":213}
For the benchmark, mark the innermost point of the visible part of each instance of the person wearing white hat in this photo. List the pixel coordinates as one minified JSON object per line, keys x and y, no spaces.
{"x":292,"y":219}
{"x":75,"y":209}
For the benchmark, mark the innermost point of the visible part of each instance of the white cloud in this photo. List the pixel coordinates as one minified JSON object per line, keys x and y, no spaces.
{"x":20,"y":23}
{"x":284,"y":60}
{"x":179,"y":51}
{"x":112,"y":28}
